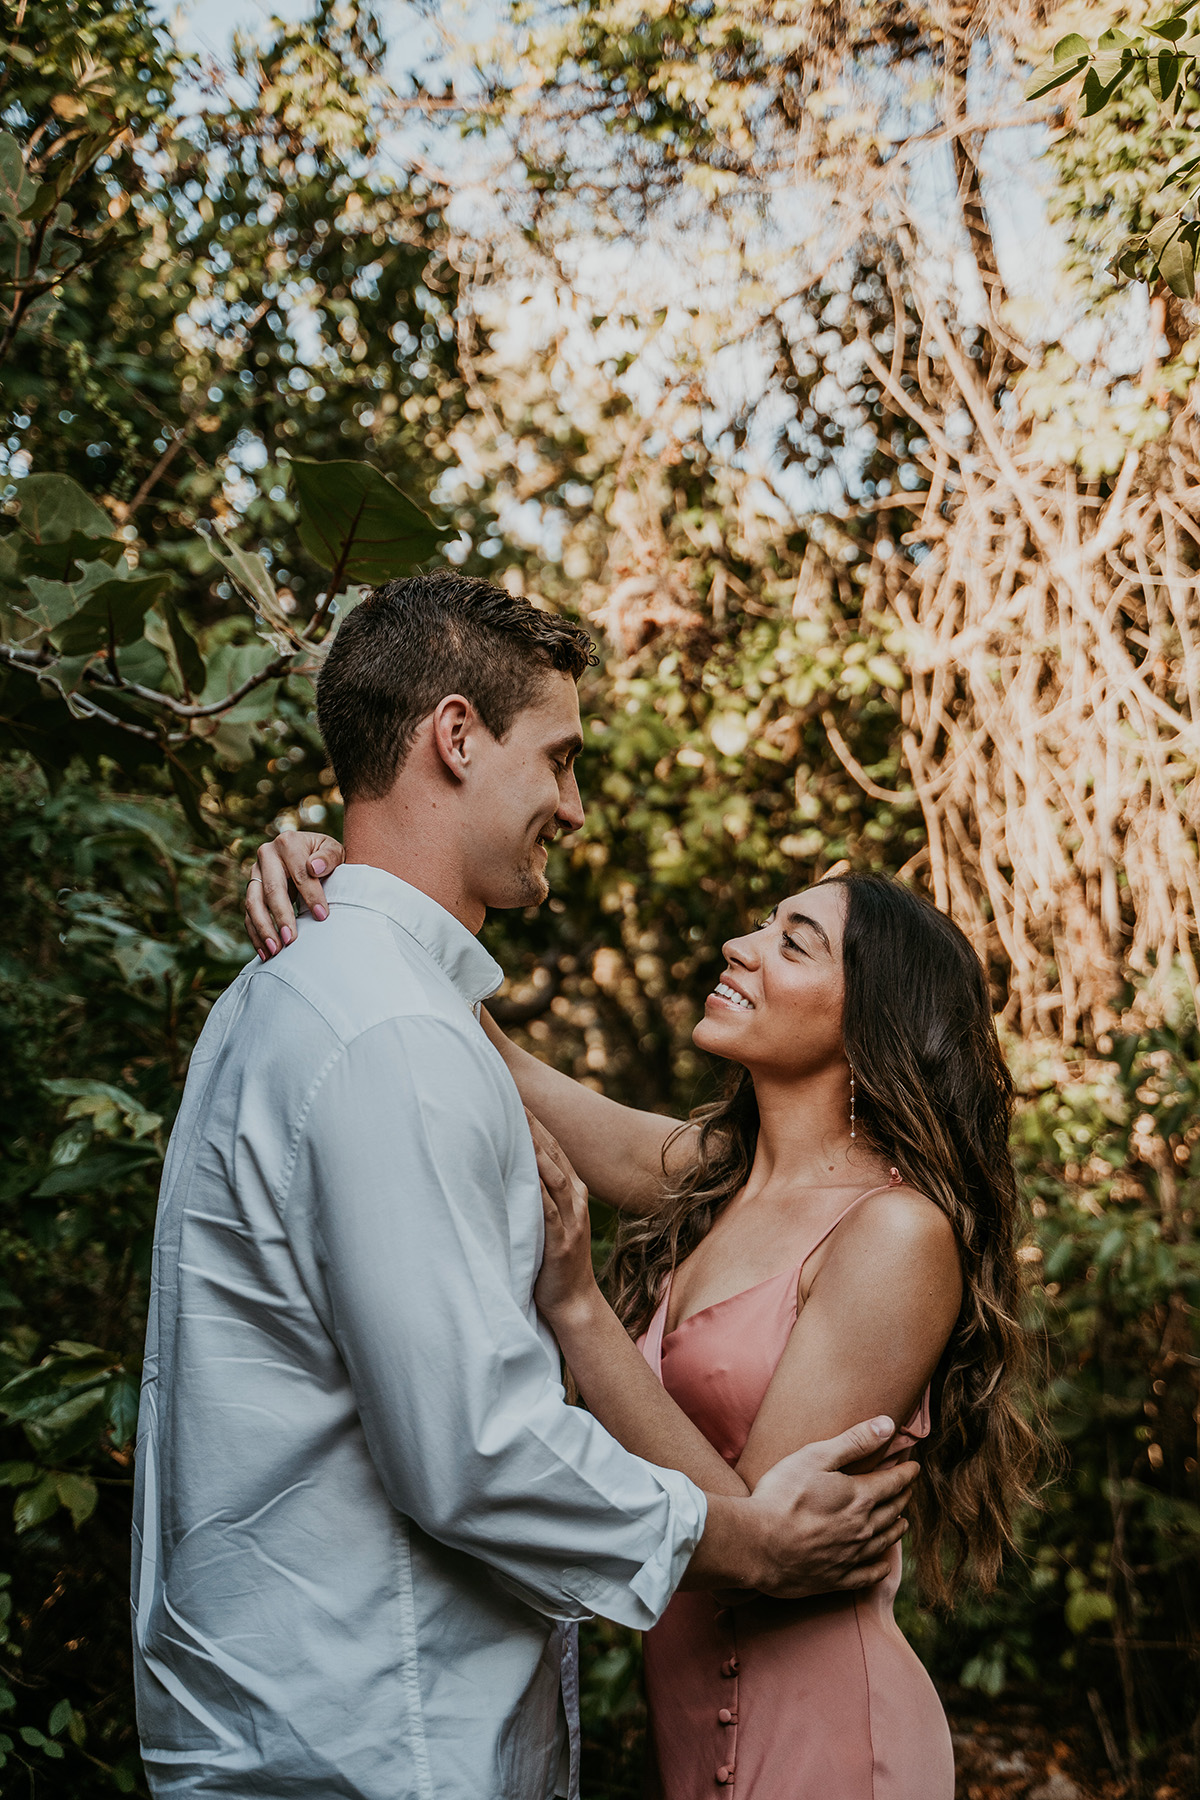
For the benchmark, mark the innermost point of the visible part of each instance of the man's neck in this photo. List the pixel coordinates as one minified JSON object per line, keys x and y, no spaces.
{"x":406,"y":844}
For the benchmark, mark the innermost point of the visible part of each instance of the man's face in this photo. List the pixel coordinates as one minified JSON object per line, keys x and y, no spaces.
{"x":523,"y":793}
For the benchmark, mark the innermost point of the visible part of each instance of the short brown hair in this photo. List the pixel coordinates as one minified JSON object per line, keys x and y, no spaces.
{"x":410,"y":643}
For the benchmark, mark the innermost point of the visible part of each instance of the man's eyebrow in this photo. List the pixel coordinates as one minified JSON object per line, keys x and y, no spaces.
{"x":799,"y":918}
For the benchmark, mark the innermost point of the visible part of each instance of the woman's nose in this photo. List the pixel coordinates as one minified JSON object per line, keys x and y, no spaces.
{"x":740,"y":950}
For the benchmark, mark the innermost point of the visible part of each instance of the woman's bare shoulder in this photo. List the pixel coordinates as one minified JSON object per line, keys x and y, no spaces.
{"x":902,"y":1227}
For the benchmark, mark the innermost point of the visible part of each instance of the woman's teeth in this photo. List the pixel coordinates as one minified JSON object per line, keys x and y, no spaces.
{"x":728,"y":993}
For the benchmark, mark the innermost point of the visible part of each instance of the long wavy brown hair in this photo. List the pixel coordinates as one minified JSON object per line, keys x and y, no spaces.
{"x":935,"y":1100}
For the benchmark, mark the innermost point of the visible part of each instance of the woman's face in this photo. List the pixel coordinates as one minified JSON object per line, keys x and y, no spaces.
{"x":778,"y":1005}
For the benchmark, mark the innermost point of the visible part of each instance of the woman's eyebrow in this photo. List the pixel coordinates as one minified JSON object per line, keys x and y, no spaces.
{"x":798,"y":918}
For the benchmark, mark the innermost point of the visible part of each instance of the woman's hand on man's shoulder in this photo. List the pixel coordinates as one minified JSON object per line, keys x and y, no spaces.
{"x":294,"y":863}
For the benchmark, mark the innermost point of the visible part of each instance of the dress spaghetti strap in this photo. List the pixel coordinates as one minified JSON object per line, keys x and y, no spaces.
{"x":883,"y":1188}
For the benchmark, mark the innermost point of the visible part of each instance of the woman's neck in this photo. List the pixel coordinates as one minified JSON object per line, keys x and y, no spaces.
{"x":804,"y":1135}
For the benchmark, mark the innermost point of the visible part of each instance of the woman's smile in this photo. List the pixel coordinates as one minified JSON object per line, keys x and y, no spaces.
{"x":726,"y":994}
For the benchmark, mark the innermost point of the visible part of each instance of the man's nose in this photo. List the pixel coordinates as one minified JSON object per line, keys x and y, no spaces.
{"x":570,"y":813}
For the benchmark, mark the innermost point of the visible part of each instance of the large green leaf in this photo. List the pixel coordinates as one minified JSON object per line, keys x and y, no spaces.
{"x":356,"y":522}
{"x":51,"y":507}
{"x":117,"y":607}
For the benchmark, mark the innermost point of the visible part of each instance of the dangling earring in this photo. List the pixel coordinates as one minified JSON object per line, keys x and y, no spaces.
{"x":853,"y":1133}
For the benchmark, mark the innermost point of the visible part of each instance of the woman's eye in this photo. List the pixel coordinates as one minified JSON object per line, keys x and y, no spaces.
{"x":791,"y":944}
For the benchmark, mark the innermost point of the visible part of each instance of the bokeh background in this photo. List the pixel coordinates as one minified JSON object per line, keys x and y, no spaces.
{"x":778,"y":343}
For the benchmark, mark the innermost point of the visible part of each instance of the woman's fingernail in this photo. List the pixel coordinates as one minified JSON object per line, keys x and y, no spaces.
{"x":883,"y":1428}
{"x":262,"y":956}
{"x":286,"y":934}
{"x":320,"y":912}
{"x":272,"y":946}
{"x":317,"y":865}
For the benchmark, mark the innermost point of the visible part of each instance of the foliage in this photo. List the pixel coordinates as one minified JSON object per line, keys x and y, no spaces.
{"x":121,"y":934}
{"x":881,"y":575}
{"x":1160,"y":62}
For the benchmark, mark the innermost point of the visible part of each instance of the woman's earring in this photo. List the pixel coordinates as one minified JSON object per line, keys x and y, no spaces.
{"x":853,"y":1133}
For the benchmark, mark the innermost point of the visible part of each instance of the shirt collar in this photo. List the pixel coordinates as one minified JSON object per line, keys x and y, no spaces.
{"x":455,"y":949}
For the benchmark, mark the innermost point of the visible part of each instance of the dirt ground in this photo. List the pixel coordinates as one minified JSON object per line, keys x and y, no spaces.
{"x":1009,"y":1749}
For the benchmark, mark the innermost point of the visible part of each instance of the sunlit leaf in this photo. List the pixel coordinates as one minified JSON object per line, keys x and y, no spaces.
{"x":1177,"y":265}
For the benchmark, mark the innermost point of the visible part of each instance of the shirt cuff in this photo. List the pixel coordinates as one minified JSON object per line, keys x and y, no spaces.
{"x":641,"y":1601}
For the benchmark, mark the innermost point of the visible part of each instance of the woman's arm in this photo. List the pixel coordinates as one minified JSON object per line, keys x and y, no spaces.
{"x":624,"y":1394}
{"x":870,"y":1335}
{"x":876,"y":1318}
{"x":617,"y":1149}
{"x":618,"y":1384}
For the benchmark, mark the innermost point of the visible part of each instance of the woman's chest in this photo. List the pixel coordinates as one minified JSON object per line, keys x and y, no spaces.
{"x":718,"y":1365}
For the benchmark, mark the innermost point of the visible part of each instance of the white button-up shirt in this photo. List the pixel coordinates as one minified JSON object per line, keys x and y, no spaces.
{"x":365,"y":1516}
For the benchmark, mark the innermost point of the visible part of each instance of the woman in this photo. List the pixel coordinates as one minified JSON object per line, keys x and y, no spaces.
{"x":833,"y":1238}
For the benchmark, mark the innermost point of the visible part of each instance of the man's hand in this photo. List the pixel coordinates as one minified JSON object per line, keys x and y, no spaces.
{"x":295,"y":860}
{"x":809,"y":1528}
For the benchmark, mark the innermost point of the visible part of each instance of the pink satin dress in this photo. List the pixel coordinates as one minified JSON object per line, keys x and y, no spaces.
{"x":819,"y":1699}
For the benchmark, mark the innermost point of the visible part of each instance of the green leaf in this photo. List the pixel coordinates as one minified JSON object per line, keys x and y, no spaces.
{"x":98,"y":1173}
{"x":1109,"y":64}
{"x":1163,"y":232}
{"x":123,"y":1409}
{"x":35,"y":1504}
{"x":116,"y":605}
{"x":1070,"y":48}
{"x":1162,"y":72}
{"x":54,"y":601}
{"x":60,"y":1717}
{"x":1172,"y":27}
{"x":57,"y":558}
{"x":16,"y":187}
{"x":16,"y":1474}
{"x":188,"y":659}
{"x":354,"y":521}
{"x":52,"y":507}
{"x":1086,"y":1608}
{"x":1053,"y":75}
{"x":252,"y":576}
{"x":1096,"y":94}
{"x":79,"y":1495}
{"x":1177,"y":265}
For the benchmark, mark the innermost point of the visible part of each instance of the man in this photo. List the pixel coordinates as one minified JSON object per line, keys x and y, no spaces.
{"x":366,"y":1519}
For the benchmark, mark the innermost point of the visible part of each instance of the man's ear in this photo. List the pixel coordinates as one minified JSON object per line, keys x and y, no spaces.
{"x":454,"y":723}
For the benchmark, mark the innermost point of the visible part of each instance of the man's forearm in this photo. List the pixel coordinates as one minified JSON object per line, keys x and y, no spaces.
{"x":731,"y":1553}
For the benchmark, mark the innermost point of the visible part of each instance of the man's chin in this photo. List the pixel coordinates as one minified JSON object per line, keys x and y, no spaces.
{"x":528,"y":887}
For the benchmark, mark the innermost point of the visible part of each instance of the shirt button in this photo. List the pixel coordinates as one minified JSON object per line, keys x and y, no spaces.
{"x":731,"y":1667}
{"x":724,"y":1776}
{"x":726,"y":1717}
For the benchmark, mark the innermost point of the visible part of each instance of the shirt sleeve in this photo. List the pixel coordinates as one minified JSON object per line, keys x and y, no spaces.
{"x":402,"y":1174}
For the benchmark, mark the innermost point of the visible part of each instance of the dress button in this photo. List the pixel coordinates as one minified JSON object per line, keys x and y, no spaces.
{"x":724,"y":1776}
{"x":725,"y":1717}
{"x":731,"y":1667}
